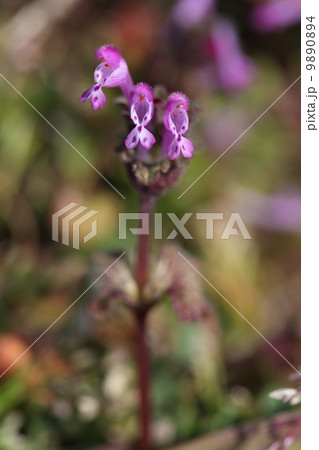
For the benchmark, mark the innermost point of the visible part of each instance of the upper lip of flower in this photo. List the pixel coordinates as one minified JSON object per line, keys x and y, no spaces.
{"x":175,"y":115}
{"x":110,"y":76}
{"x":110,"y":54}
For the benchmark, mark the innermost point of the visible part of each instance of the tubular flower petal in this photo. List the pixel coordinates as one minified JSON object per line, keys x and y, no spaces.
{"x":111,"y":72}
{"x":142,"y":110}
{"x":176,"y":121}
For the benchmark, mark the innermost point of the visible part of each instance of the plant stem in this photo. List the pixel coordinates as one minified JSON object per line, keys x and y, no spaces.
{"x":144,"y":381}
{"x":142,"y":271}
{"x":146,"y":206}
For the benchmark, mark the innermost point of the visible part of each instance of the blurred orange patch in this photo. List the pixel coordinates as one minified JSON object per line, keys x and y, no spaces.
{"x":11,"y":347}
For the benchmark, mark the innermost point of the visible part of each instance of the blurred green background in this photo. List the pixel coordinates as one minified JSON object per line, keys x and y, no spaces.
{"x":76,"y":388}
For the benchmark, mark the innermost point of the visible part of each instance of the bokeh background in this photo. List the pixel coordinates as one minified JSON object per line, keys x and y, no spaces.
{"x":76,"y":388}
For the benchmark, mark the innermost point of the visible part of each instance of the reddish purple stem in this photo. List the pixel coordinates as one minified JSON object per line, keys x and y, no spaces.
{"x":142,"y":355}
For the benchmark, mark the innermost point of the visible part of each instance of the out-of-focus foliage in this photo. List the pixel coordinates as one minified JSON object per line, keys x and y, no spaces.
{"x":76,"y":388}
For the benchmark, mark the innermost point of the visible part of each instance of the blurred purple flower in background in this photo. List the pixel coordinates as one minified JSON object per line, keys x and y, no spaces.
{"x":276,"y":14}
{"x":234,"y":70}
{"x":229,"y":123}
{"x":279,"y":211}
{"x":189,"y":13}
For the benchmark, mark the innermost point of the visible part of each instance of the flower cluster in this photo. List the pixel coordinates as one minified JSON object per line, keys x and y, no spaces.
{"x":290,"y":431}
{"x":113,"y":71}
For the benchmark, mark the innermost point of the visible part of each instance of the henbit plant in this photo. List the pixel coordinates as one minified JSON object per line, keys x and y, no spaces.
{"x":155,"y":153}
{"x":291,"y":430}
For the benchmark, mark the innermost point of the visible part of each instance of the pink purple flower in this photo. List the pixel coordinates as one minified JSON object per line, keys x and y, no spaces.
{"x":234,"y":69}
{"x":276,"y":14}
{"x":111,"y":72}
{"x":176,"y":122}
{"x":142,"y":110}
{"x":189,"y":13}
